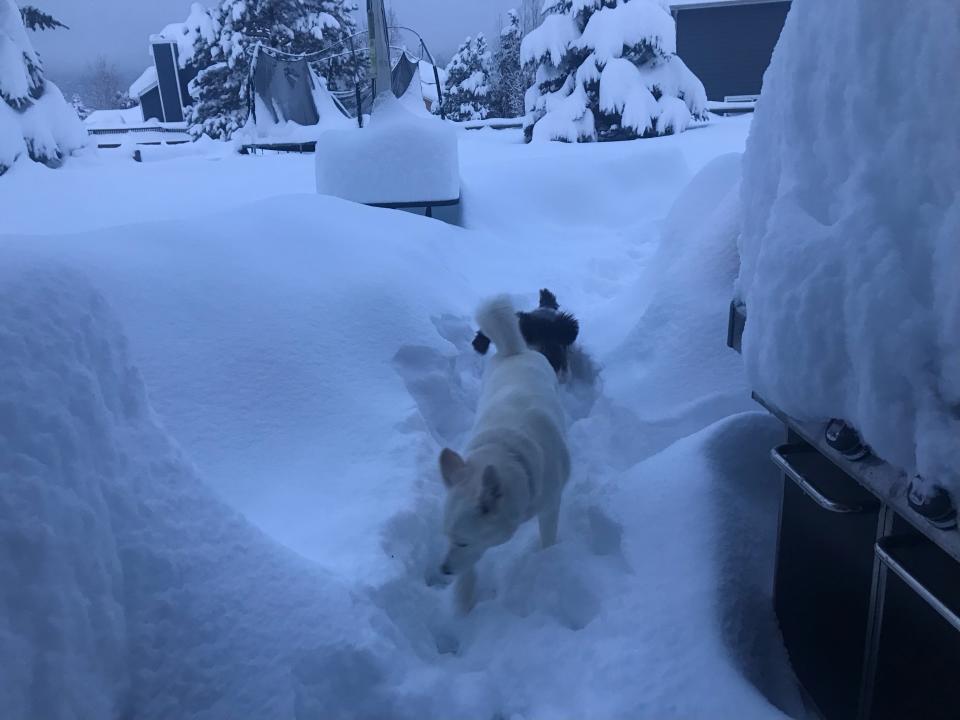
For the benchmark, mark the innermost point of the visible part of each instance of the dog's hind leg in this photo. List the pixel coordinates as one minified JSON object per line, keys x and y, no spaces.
{"x":549,"y":519}
{"x":465,"y":591}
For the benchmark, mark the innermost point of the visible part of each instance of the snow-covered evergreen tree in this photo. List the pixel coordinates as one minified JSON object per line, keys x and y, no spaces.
{"x":80,"y":106}
{"x":608,"y":70}
{"x":467,"y":93}
{"x":223,"y":49}
{"x":35,"y":120}
{"x":509,"y":79}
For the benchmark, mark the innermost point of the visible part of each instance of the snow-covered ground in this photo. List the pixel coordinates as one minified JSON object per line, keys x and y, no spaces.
{"x":197,"y":335}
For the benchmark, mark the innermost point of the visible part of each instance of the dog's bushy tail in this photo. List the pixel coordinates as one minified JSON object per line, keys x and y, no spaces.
{"x":498,"y":321}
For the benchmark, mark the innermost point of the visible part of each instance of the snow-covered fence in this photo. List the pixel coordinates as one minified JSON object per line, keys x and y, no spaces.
{"x":493,"y":123}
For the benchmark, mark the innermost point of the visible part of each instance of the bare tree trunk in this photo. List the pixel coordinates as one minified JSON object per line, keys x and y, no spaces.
{"x":530,"y":17}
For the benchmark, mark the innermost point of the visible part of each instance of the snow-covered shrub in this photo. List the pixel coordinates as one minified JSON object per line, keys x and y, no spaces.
{"x":80,"y":107}
{"x":608,"y":70}
{"x":851,"y":227}
{"x":467,"y":91}
{"x":35,"y":120}
{"x":220,"y":41}
{"x":509,"y":81}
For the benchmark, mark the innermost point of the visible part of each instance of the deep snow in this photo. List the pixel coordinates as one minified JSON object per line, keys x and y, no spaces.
{"x":307,"y":358}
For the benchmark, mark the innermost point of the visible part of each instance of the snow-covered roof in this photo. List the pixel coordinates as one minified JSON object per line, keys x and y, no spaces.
{"x":130,"y":117}
{"x":694,"y":4}
{"x":199,"y":23}
{"x":147,"y":79}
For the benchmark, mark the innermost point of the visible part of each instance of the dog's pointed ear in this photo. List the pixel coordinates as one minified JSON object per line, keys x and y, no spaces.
{"x":450,"y":465}
{"x":491,"y":492}
{"x":548,"y":300}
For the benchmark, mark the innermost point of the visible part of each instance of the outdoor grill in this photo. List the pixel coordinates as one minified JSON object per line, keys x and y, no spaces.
{"x":866,"y":591}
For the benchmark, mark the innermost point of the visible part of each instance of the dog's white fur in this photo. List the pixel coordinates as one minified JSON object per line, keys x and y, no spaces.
{"x":516,"y":461}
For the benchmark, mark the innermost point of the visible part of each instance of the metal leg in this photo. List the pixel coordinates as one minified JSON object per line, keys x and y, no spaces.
{"x":884,"y":525}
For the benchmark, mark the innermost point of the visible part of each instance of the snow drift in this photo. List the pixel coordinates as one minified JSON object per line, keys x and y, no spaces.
{"x":35,"y":120}
{"x":402,"y":156}
{"x":128,"y":589}
{"x":670,"y":371}
{"x":850,"y":249}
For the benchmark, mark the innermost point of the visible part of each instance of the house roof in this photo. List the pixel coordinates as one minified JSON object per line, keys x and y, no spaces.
{"x":695,"y":4}
{"x":143,"y":83}
{"x":130,"y":117}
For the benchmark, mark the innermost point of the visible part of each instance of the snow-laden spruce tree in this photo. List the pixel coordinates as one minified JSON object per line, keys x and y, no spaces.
{"x":608,"y":70}
{"x":467,"y":92}
{"x":226,"y":37}
{"x":509,"y":79}
{"x":35,"y":120}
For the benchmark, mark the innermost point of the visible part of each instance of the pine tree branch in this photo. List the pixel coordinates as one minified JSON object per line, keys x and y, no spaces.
{"x":38,"y":20}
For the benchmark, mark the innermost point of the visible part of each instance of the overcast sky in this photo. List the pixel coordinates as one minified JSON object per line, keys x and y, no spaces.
{"x":119,"y":29}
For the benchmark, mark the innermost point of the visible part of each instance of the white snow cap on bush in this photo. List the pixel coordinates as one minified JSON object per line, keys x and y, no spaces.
{"x":35,"y":120}
{"x":851,"y":238}
{"x":627,"y":80}
{"x":551,"y":39}
{"x":628,"y":25}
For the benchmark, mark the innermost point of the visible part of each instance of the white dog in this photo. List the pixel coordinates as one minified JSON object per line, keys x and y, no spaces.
{"x":517,"y":461}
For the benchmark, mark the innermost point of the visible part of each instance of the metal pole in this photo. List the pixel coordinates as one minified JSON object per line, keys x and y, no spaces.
{"x":356,"y":81}
{"x":436,"y":79}
{"x":379,"y":47}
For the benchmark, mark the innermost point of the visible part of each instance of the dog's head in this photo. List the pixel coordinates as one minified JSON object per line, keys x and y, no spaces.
{"x":474,"y":517}
{"x":546,"y":330}
{"x":550,"y":332}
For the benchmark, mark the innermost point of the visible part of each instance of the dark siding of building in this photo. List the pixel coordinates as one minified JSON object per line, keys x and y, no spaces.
{"x":186,"y":75}
{"x":729,"y":47}
{"x":150,"y":104}
{"x":167,"y":75}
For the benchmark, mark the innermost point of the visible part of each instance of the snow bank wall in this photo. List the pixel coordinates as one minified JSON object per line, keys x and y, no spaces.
{"x":670,"y":366}
{"x":851,"y":238}
{"x":126,"y":588}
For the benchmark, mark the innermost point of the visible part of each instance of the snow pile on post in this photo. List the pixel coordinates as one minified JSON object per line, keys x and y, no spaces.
{"x":35,"y":119}
{"x":608,"y":72}
{"x":401,"y":156}
{"x":851,"y":239}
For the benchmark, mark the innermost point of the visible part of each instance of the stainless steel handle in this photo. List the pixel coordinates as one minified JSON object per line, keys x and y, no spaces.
{"x":808,"y":488}
{"x":881,"y":548}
